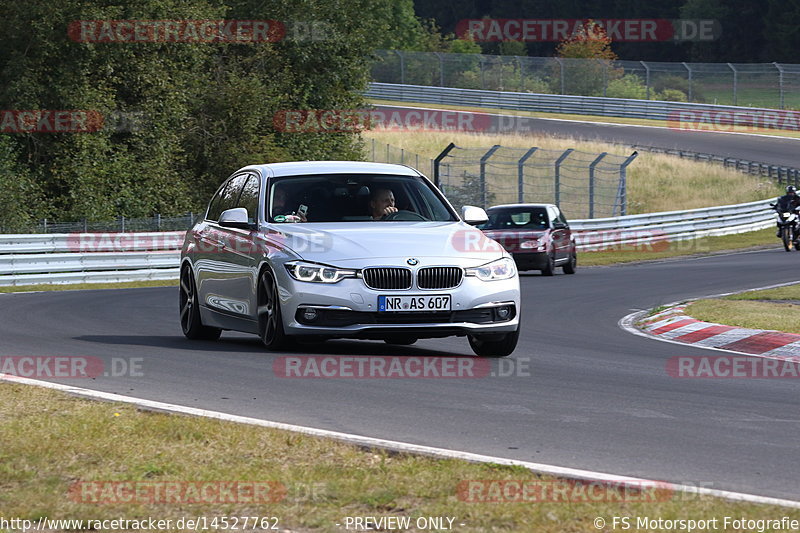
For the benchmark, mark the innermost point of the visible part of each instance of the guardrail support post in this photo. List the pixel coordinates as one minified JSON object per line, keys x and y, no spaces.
{"x":591,"y":182}
{"x":557,"y":184}
{"x":521,"y":174}
{"x":735,"y":82}
{"x":438,"y":160}
{"x":441,"y":68}
{"x":402,"y":66}
{"x":780,"y":82}
{"x":483,"y":80}
{"x":689,"y":69}
{"x":622,"y":192}
{"x":646,"y":78}
{"x":485,"y":158}
{"x":521,"y":74}
{"x":561,"y":67}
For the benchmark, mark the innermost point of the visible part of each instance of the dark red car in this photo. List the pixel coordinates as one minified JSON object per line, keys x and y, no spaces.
{"x":536,"y":235}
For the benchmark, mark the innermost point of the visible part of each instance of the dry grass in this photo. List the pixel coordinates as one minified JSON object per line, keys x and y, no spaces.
{"x":656,"y":182}
{"x":49,"y":440}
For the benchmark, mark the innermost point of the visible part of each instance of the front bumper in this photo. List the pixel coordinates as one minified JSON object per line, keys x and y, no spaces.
{"x":349,"y":309}
{"x":531,"y":260}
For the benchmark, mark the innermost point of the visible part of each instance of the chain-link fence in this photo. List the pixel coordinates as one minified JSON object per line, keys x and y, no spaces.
{"x":768,"y":85}
{"x":120,"y":224}
{"x":582,"y":184}
{"x":379,"y":152}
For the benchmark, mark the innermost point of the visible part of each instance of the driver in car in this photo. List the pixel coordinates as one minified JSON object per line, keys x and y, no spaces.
{"x":381,"y":203}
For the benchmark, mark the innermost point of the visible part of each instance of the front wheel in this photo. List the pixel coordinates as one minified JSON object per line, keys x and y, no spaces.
{"x":191,"y":323}
{"x":494,"y":345}
{"x":786,"y":237}
{"x":550,"y":267}
{"x":572,"y":264}
{"x":270,"y":322}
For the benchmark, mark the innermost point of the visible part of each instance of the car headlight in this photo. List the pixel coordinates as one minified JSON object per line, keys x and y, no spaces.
{"x":496,"y":270}
{"x":315,"y":273}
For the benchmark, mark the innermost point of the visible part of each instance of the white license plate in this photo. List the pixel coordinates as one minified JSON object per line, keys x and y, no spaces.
{"x":407,"y":304}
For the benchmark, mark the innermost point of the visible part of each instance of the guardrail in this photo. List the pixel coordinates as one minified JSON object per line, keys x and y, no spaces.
{"x":605,"y":233}
{"x":120,"y":257}
{"x":575,"y":105}
{"x":89,"y":257}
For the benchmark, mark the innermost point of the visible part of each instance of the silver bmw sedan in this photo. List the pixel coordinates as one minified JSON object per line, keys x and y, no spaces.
{"x":343,"y":249}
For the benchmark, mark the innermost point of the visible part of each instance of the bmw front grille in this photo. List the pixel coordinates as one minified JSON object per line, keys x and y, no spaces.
{"x":439,"y":277}
{"x":387,"y":278}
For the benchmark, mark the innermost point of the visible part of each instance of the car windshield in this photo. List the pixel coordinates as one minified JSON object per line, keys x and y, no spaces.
{"x":522,"y":218}
{"x":355,"y":198}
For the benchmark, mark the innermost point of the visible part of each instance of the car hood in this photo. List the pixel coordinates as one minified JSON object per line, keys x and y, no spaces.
{"x":357,"y":244}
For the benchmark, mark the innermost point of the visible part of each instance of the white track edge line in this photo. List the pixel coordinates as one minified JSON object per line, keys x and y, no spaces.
{"x":539,"y":468}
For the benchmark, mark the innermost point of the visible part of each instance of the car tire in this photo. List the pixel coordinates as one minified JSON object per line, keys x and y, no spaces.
{"x":191,"y":322}
{"x":270,"y":321}
{"x":401,"y":341}
{"x":493,"y":346}
{"x":572,"y":265}
{"x":550,"y":268}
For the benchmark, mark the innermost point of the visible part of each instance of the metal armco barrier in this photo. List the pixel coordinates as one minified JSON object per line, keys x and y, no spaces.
{"x":669,"y":226}
{"x":565,"y":104}
{"x":100,"y":258}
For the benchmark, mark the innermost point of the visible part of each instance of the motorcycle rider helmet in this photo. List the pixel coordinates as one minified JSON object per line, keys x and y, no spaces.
{"x":791,"y":189}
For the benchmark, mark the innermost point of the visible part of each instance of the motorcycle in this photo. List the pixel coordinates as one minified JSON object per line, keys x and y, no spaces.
{"x":787,"y":219}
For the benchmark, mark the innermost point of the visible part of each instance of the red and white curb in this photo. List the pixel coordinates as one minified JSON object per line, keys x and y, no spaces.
{"x":674,"y":325}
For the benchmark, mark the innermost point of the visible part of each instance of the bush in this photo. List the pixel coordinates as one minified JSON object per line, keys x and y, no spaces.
{"x":671,"y":95}
{"x":628,"y":86}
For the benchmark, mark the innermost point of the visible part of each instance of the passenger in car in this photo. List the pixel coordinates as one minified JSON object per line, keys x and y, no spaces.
{"x":281,"y":212}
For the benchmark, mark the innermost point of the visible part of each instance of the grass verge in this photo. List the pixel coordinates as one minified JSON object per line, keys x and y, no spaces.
{"x":702,"y":246}
{"x":748,"y":314}
{"x":87,"y":286}
{"x":49,"y":441}
{"x":764,"y":309}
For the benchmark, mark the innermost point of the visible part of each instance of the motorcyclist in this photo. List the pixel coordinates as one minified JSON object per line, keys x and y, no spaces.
{"x":787,"y":203}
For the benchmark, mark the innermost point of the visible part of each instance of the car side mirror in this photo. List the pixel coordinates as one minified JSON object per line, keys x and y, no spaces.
{"x":235,"y":218}
{"x":559,"y":225}
{"x":474,"y":215}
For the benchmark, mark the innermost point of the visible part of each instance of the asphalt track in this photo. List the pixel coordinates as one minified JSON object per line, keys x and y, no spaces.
{"x":760,"y":148}
{"x":595,"y":396}
{"x":586,"y":394}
